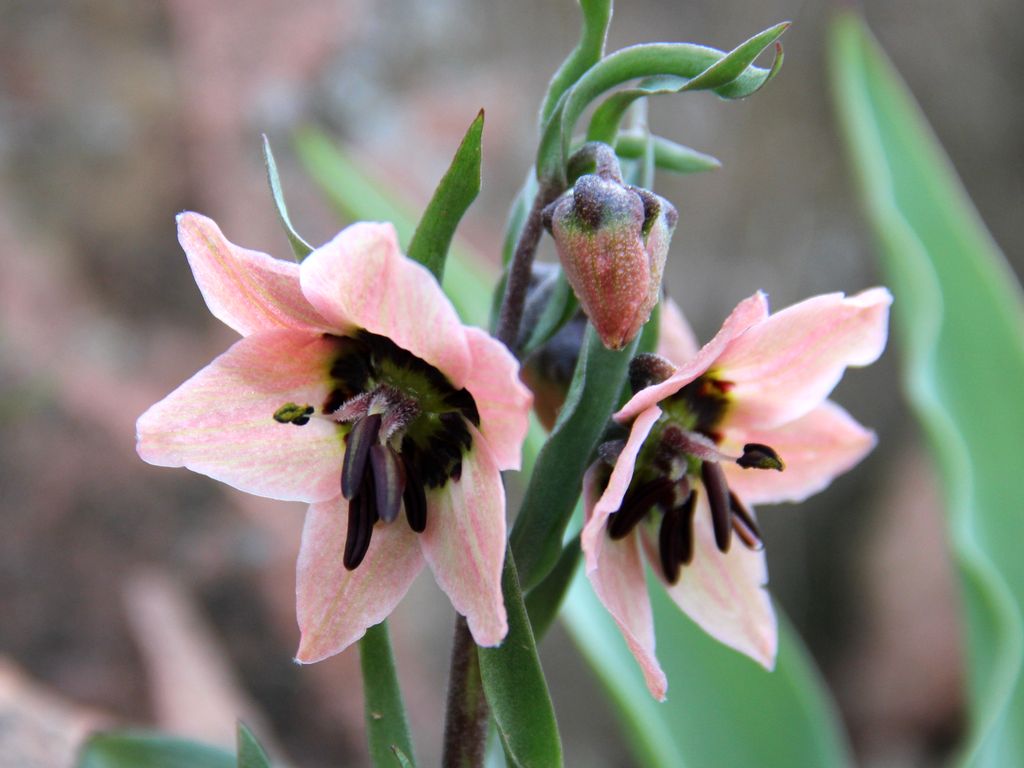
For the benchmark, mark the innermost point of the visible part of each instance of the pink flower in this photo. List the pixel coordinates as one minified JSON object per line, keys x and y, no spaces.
{"x":355,"y":388}
{"x":704,"y":438}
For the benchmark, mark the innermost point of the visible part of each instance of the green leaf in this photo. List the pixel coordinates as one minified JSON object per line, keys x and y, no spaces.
{"x":515,"y":686}
{"x":357,"y":196}
{"x":300,"y":247}
{"x":558,"y":474}
{"x":544,"y":600}
{"x":250,"y":753}
{"x":668,"y":155}
{"x":452,"y":198}
{"x":401,"y":759}
{"x":138,"y":749}
{"x":597,"y":15}
{"x":561,"y":306}
{"x":722,"y":708}
{"x":684,"y":60}
{"x":959,"y":314}
{"x":386,"y":725}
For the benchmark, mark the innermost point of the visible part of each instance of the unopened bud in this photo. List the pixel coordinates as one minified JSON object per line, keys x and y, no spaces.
{"x":612,"y":240}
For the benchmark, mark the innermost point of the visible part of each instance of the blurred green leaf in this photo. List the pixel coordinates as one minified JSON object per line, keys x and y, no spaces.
{"x":722,"y":708}
{"x":300,"y":247}
{"x":452,"y":198}
{"x":135,"y":749}
{"x":557,"y":477}
{"x":516,"y":688}
{"x":597,"y":15}
{"x":960,"y":317}
{"x":684,"y":60}
{"x":668,"y":155}
{"x":401,"y":759}
{"x":386,"y":725}
{"x":358,"y":197}
{"x":250,"y":752}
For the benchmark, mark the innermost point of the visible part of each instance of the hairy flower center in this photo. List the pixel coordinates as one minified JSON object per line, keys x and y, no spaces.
{"x":406,"y":430}
{"x":679,"y":459}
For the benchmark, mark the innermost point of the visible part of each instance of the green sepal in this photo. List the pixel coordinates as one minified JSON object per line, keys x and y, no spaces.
{"x":458,"y":189}
{"x":300,"y":247}
{"x":516,"y":688}
{"x":668,"y":155}
{"x":959,"y":313}
{"x":250,"y":752}
{"x":597,"y":15}
{"x":704,"y":68}
{"x":138,"y":749}
{"x":557,"y":477}
{"x":386,"y":724}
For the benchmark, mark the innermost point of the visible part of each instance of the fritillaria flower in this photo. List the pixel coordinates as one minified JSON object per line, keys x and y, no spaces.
{"x":354,"y":388}
{"x":742,"y":421}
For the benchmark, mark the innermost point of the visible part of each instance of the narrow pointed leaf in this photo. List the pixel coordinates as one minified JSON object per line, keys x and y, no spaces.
{"x":135,"y":749}
{"x":300,"y":247}
{"x":250,"y":753}
{"x":557,"y":478}
{"x":386,"y":724}
{"x":668,"y":155}
{"x":722,"y":708}
{"x":544,"y":601}
{"x":516,"y":689}
{"x":684,"y":60}
{"x":597,"y":15}
{"x":357,"y":196}
{"x":959,"y":314}
{"x":452,"y":198}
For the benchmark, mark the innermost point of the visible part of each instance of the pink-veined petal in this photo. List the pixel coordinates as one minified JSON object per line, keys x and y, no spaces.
{"x":335,"y":606}
{"x":247,"y":290}
{"x":221,"y":421}
{"x":593,"y":536}
{"x":815,"y":448}
{"x":785,"y":366}
{"x":501,"y":398}
{"x":724,"y":593}
{"x":748,"y":313}
{"x":360,"y":279}
{"x":621,"y":586}
{"x":676,"y":339}
{"x":464,"y":542}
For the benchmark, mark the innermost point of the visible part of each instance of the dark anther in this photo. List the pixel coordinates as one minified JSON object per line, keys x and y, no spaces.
{"x":414,"y":496}
{"x":718,"y":499}
{"x":388,"y":481}
{"x":675,"y":538}
{"x":758,"y":456}
{"x":293,"y":413}
{"x":646,"y":369}
{"x":744,"y":525}
{"x":362,"y":436}
{"x":636,"y":504}
{"x":362,"y":514}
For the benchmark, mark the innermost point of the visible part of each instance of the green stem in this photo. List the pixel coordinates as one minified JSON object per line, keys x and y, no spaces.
{"x":386,"y":726}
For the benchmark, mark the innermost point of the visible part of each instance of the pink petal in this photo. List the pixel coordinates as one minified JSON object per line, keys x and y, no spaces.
{"x":621,"y":586}
{"x":247,"y":290}
{"x":501,"y":398}
{"x":723,"y":593}
{"x":785,"y":366}
{"x":676,"y":339}
{"x":464,"y":542}
{"x":361,"y":280}
{"x":593,"y":537}
{"x":815,"y":448}
{"x":335,"y":606}
{"x":220,"y":422}
{"x":748,"y":313}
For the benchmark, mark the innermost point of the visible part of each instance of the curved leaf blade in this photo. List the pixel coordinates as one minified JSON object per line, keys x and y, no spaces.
{"x":386,"y":724}
{"x":960,"y":314}
{"x":300,"y":247}
{"x":132,"y":749}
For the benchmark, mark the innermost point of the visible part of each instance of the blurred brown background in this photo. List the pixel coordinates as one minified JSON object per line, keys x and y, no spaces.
{"x":131,"y":594}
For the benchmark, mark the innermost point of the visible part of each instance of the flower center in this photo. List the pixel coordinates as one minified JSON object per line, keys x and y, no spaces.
{"x":407,"y":430}
{"x":681,"y":458}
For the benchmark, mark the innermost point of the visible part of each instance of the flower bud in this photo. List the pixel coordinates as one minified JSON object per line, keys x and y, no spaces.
{"x":612,"y":240}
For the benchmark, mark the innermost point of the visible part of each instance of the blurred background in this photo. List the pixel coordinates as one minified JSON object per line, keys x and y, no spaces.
{"x":136,"y":595}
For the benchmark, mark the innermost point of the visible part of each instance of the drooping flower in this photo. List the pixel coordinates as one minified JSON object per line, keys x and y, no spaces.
{"x":742,"y":421}
{"x":357,"y":389}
